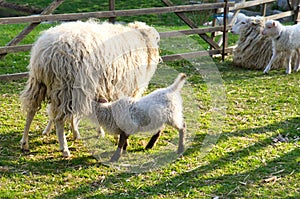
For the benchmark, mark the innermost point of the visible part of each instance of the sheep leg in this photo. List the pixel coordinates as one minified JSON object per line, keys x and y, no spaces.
{"x":122,"y":140}
{"x":268,"y":67}
{"x":24,"y":140}
{"x":125,"y":145}
{"x":74,"y":126}
{"x":63,"y":145}
{"x":289,"y":66}
{"x":182,"y":132}
{"x":153,"y":140}
{"x":48,"y":128}
{"x":297,"y":65}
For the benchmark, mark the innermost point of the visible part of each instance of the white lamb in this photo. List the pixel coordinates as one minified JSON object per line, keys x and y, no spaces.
{"x":285,"y":39}
{"x":128,"y":116}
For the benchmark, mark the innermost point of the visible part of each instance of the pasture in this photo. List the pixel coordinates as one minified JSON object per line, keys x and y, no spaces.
{"x":256,"y":155}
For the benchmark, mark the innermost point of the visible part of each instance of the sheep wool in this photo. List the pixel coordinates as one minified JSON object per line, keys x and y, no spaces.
{"x":75,"y":63}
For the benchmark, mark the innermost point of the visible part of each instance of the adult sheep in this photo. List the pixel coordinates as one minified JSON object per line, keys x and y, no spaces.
{"x":75,"y":63}
{"x":253,"y":50}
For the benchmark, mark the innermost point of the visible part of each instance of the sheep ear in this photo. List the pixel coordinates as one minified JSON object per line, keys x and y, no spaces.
{"x":274,"y":24}
{"x":254,"y":23}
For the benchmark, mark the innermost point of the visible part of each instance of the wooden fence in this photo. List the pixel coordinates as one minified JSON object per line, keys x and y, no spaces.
{"x":221,"y":7}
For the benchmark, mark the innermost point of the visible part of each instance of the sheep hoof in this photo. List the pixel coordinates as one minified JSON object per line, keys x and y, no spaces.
{"x":45,"y":132}
{"x":180,"y":150}
{"x":76,"y":137}
{"x":24,"y":146}
{"x":115,"y":157}
{"x":66,"y":153}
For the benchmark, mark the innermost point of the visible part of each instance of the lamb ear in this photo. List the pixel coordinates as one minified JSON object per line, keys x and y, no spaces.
{"x":274,"y":24}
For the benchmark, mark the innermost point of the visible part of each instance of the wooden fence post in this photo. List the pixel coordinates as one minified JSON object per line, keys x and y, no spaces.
{"x":225,"y":31}
{"x":296,"y":9}
{"x":112,"y":8}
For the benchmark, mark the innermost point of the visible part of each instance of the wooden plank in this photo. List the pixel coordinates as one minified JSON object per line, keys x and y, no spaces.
{"x":191,"y":24}
{"x":14,"y":76}
{"x":280,"y":15}
{"x":21,"y":8}
{"x":31,"y":26}
{"x":27,"y":47}
{"x":183,"y":56}
{"x":13,"y":49}
{"x":192,"y":31}
{"x":246,"y":4}
{"x":108,"y":14}
{"x":173,"y":57}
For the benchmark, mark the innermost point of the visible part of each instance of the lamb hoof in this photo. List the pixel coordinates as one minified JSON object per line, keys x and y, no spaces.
{"x":114,"y":158}
{"x":45,"y":133}
{"x":78,"y":137}
{"x":25,"y":150}
{"x":24,"y":146}
{"x":180,"y":150}
{"x":66,"y":154}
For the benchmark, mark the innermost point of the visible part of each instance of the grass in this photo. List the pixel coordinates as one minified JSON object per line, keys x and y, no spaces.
{"x":259,"y":108}
{"x":245,"y":162}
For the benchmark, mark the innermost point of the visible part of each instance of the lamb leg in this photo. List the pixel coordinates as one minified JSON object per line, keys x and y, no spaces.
{"x":122,"y":140}
{"x":153,"y":140}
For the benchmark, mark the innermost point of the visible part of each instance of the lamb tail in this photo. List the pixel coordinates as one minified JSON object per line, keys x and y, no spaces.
{"x":178,"y":83}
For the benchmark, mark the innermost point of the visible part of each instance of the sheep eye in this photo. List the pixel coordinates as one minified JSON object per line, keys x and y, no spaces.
{"x":243,"y":23}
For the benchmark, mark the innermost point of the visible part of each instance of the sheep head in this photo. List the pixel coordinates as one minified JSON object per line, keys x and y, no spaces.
{"x":272,"y":29}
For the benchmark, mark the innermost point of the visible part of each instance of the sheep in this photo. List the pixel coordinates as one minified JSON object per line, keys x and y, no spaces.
{"x":127,"y":116}
{"x":284,"y":39}
{"x":76,"y":62}
{"x":220,"y":19}
{"x":253,"y":50}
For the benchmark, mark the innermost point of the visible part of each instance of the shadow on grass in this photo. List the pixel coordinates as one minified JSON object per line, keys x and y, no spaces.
{"x":226,"y":183}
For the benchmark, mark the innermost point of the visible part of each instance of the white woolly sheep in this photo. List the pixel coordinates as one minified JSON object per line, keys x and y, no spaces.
{"x":253,"y":50}
{"x":74,"y":63}
{"x":128,"y":116}
{"x":284,"y":39}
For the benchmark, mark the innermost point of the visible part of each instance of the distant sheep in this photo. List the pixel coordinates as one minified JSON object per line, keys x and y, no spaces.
{"x":74,"y":63}
{"x":128,"y":116}
{"x":220,"y":19}
{"x":253,"y":50}
{"x":285,"y":39}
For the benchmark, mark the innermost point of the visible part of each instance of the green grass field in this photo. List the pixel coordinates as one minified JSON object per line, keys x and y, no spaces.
{"x":248,"y":159}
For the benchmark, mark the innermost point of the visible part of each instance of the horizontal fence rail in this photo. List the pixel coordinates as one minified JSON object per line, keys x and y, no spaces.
{"x":109,"y":14}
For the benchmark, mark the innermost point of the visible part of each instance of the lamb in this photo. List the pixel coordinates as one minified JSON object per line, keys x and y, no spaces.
{"x":253,"y":50}
{"x":127,"y":116}
{"x":76,"y":62}
{"x":284,"y":39}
